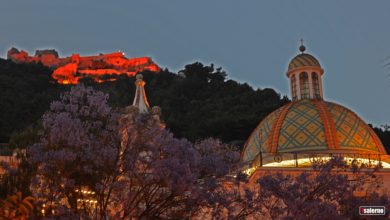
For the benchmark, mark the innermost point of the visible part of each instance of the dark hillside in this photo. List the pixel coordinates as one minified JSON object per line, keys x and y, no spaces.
{"x":198,"y":102}
{"x":25,"y":93}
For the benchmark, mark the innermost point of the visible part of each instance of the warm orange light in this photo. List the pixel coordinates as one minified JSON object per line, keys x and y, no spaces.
{"x":304,"y":162}
{"x":69,"y":70}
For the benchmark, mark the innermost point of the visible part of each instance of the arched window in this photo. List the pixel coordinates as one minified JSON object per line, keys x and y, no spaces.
{"x":294,"y":88}
{"x":304,"y":84}
{"x":316,"y":85}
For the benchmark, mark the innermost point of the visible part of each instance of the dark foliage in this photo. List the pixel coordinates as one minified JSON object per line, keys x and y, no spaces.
{"x":198,"y":102}
{"x":16,"y":180}
{"x":383,"y":133}
{"x":26,"y":91}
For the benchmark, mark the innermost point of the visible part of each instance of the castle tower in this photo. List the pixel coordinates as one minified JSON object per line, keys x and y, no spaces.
{"x":140,"y":100}
{"x":305,"y":72}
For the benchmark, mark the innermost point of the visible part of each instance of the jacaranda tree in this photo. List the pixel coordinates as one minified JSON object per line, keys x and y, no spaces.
{"x":78,"y":151}
{"x":328,"y":191}
{"x":94,"y":161}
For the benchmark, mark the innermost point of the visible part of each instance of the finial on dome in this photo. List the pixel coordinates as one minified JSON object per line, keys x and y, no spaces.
{"x":302,"y":48}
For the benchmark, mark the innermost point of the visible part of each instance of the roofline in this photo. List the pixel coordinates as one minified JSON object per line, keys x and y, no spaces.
{"x":303,"y":68}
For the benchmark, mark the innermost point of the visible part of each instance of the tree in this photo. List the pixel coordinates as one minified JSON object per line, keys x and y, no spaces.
{"x":16,"y":207}
{"x":16,"y":177}
{"x":157,"y":170}
{"x":383,"y":133}
{"x":26,"y":92}
{"x":94,"y":161}
{"x":165,"y":177}
{"x":229,"y":197}
{"x":326,"y":192}
{"x":25,"y":138}
{"x":78,"y":153}
{"x":198,"y":102}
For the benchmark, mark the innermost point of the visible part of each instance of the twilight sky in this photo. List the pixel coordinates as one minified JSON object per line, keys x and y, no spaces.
{"x":252,"y":40}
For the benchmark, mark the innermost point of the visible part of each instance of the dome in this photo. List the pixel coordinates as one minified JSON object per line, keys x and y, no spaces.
{"x":303,"y":60}
{"x":312,"y":126}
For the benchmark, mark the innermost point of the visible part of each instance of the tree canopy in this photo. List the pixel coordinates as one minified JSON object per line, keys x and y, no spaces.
{"x":199,"y":101}
{"x":93,"y":161}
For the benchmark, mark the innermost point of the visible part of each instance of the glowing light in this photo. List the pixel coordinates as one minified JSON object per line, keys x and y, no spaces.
{"x":249,"y":171}
{"x":68,"y":70}
{"x":303,"y":162}
{"x":43,"y":209}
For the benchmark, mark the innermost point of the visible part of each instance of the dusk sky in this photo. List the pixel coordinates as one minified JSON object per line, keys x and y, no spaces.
{"x":252,"y":40}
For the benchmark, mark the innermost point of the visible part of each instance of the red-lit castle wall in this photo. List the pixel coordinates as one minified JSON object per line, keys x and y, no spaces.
{"x":69,"y":70}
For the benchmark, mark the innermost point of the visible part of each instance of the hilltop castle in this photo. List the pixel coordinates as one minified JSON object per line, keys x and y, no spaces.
{"x":69,"y":70}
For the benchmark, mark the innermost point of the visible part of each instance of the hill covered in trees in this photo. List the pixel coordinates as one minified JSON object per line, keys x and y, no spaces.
{"x":26,"y":91}
{"x":198,"y":102}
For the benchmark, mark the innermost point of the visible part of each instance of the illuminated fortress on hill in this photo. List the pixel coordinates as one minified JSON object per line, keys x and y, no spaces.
{"x":69,"y":70}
